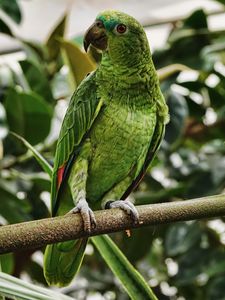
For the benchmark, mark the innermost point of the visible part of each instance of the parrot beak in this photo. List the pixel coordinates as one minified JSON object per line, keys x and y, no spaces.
{"x":96,"y":36}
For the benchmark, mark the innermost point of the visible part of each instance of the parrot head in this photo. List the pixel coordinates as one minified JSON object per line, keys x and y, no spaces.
{"x":116,"y":33}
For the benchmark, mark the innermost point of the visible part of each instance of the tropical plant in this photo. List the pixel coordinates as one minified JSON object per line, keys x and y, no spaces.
{"x":184,"y":259}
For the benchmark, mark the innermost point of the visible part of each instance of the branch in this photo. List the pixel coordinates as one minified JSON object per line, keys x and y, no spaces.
{"x":170,"y":70}
{"x":172,"y":20}
{"x":38,"y":233}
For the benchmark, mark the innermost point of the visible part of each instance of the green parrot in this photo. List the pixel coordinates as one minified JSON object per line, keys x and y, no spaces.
{"x":110,"y":134}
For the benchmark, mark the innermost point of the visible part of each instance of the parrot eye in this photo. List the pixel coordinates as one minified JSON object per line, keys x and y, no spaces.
{"x":121,"y":28}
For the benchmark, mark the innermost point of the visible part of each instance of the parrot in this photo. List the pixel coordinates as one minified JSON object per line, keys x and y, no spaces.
{"x":112,"y":129}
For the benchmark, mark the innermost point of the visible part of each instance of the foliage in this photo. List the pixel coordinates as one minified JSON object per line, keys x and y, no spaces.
{"x":177,"y":260}
{"x":19,"y":289}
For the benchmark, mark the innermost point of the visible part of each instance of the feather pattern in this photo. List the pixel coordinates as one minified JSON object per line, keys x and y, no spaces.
{"x":83,"y":108}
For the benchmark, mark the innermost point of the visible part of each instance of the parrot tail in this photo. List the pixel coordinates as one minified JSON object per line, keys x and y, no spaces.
{"x":62,"y":261}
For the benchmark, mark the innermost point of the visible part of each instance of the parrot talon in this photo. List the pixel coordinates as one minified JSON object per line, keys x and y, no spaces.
{"x":125,"y":205}
{"x":87,"y":214}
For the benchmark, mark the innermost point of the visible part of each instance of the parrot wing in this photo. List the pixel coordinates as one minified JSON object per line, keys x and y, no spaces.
{"x":63,"y":260}
{"x":83,"y":108}
{"x":155,"y":142}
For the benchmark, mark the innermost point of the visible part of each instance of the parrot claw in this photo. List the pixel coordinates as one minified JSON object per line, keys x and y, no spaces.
{"x":127,"y":206}
{"x":87,"y":214}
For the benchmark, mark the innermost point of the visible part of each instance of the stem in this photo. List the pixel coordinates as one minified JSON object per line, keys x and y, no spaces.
{"x":170,"y":70}
{"x":172,"y":20}
{"x":38,"y":233}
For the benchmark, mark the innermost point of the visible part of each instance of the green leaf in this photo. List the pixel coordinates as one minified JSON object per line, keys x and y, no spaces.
{"x":3,"y":124}
{"x":12,"y":209}
{"x":181,"y":237}
{"x":138,"y":245}
{"x":37,"y":79}
{"x":28,"y":115}
{"x":132,"y":281}
{"x":12,"y":9}
{"x":4,"y":28}
{"x":40,"y":159}
{"x":80,"y":64}
{"x":178,"y":115}
{"x":196,"y":110}
{"x":52,"y":42}
{"x":35,"y":270}
{"x":197,"y":20}
{"x":18,"y":289}
{"x":197,"y":261}
{"x":221,"y":1}
{"x":7,"y":263}
{"x":195,"y":86}
{"x":216,"y":98}
{"x":216,"y":288}
{"x":36,"y":52}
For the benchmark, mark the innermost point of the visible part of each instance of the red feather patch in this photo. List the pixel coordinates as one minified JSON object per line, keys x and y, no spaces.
{"x":60,"y":173}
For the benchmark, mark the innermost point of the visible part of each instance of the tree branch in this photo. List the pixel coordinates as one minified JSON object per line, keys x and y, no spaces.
{"x":170,"y":70}
{"x":38,"y":233}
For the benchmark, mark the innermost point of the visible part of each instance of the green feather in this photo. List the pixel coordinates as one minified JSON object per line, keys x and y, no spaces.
{"x":122,"y":112}
{"x":62,"y":261}
{"x":83,"y":108}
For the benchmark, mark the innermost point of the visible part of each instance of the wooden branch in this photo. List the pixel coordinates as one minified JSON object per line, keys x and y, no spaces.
{"x":170,"y":70}
{"x":38,"y":233}
{"x":173,"y":20}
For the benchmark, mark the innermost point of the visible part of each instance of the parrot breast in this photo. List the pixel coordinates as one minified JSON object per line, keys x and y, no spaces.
{"x":120,"y":139}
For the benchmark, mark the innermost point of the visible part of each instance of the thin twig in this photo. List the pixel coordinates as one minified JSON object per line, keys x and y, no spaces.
{"x":172,"y":20}
{"x":168,"y":71}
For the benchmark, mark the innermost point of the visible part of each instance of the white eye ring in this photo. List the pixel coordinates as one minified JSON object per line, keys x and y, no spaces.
{"x":121,"y":28}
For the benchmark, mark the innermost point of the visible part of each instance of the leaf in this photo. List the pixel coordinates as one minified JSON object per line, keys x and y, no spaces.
{"x":37,"y":79}
{"x":195,"y":86}
{"x":197,"y":20}
{"x":39,"y":209}
{"x":12,"y":209}
{"x":12,"y":9}
{"x":181,"y":237}
{"x":138,"y":245}
{"x":18,"y":289}
{"x":36,"y":272}
{"x":178,"y":114}
{"x":4,"y":28}
{"x":131,"y":279}
{"x":36,"y":52}
{"x":216,"y":98}
{"x":52,"y":42}
{"x":196,"y":110}
{"x":3,"y":124}
{"x":7,"y":263}
{"x":80,"y":64}
{"x":197,"y":261}
{"x":28,"y":115}
{"x":216,"y":288}
{"x":221,"y":1}
{"x":40,"y":159}
{"x":161,"y":195}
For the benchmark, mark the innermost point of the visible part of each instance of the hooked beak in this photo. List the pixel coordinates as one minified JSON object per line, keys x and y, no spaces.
{"x":96,"y":36}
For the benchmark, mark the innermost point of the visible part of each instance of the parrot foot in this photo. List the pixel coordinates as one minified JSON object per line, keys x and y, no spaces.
{"x":125,"y":205}
{"x":87,"y":214}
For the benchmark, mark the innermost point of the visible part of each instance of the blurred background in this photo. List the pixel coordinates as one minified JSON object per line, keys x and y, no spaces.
{"x":41,"y":63}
